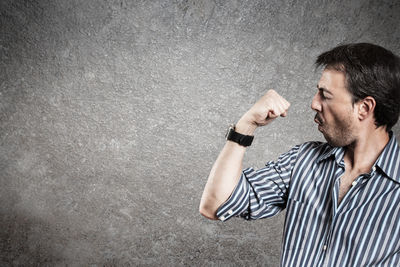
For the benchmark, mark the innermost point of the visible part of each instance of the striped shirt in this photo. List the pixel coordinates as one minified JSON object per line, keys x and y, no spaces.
{"x":363,"y":230}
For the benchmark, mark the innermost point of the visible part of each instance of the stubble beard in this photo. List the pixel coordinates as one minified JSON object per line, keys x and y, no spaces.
{"x":339,"y":135}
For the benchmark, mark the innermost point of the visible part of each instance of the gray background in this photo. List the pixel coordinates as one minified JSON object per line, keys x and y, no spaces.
{"x":113,"y":112}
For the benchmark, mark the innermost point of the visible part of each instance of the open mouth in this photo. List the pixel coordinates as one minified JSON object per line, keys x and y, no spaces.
{"x":317,"y":119}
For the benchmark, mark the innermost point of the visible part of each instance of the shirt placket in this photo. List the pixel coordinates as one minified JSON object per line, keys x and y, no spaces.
{"x":356,"y":186}
{"x":329,"y":229}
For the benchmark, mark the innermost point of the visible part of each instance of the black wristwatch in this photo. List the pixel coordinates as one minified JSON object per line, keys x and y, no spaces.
{"x":241,"y":139}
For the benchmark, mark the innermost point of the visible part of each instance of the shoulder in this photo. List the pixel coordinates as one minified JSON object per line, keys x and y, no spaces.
{"x":314,"y":149}
{"x":305,"y":150}
{"x":314,"y":145}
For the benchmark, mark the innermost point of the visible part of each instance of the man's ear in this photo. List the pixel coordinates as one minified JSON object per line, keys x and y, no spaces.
{"x":366,"y":107}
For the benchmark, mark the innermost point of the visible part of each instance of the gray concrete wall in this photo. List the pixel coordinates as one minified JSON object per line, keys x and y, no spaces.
{"x":113,"y":112}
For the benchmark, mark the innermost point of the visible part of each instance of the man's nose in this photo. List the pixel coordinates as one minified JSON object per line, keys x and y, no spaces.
{"x":316,"y":103}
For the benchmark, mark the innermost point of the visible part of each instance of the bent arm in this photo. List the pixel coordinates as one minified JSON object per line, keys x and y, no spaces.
{"x":224,"y":174}
{"x":226,"y":170}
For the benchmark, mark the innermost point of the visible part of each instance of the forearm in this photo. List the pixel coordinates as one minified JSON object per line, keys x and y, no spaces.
{"x":225,"y":173}
{"x":227,"y":168}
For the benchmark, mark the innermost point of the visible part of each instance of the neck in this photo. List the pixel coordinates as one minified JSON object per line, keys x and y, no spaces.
{"x":363,"y":152}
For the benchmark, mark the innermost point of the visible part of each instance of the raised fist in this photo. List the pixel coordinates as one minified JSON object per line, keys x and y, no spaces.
{"x":266,"y":109}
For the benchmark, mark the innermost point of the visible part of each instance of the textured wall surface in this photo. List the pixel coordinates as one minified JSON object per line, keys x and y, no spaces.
{"x":113,"y":112}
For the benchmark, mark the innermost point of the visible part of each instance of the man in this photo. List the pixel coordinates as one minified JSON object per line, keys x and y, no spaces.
{"x":342,"y":198}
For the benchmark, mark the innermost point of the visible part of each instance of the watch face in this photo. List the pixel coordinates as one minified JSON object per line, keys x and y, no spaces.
{"x":230,"y":128}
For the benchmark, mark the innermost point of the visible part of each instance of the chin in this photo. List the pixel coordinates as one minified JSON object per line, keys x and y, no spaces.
{"x":337,"y":141}
{"x":334,"y":144}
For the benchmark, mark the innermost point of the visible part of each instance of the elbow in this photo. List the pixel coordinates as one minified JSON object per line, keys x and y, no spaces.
{"x":207,"y":212}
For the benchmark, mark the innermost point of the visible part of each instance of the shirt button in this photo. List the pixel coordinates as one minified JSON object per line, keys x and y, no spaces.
{"x":354,"y":183}
{"x":230,"y":212}
{"x":373,"y":169}
{"x":222,"y":218}
{"x":325,"y":247}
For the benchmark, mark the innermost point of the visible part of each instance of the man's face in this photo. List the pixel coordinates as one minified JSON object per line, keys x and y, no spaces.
{"x":336,"y":116}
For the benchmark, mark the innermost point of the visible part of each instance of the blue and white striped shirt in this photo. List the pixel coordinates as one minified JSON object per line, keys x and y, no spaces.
{"x":363,"y":230}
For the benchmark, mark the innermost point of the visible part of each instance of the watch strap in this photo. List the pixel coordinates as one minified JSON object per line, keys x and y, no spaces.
{"x":241,"y":139}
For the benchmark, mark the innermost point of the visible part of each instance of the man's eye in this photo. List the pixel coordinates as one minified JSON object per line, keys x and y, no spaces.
{"x":321,"y":92}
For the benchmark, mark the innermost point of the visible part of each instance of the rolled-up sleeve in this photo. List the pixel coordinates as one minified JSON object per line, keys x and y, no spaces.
{"x":261,"y":193}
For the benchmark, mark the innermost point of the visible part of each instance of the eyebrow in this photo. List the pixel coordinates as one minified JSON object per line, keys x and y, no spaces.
{"x":324,"y":89}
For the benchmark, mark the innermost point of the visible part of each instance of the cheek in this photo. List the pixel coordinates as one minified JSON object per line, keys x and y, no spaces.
{"x":329,"y":112}
{"x":343,"y":116}
{"x":336,"y":114}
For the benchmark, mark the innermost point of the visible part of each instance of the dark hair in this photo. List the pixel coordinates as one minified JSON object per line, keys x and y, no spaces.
{"x":370,"y":70}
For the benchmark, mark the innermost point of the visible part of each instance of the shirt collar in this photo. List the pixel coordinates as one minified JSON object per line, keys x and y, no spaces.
{"x":388,"y":161}
{"x":331,"y":151}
